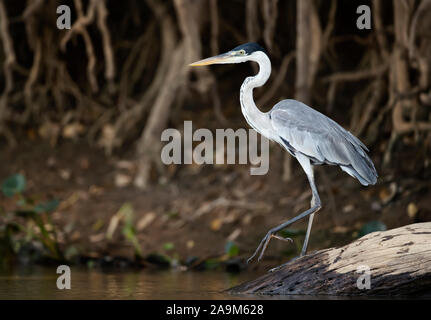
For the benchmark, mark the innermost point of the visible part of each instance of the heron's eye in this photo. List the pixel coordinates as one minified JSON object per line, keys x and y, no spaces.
{"x":242,"y":52}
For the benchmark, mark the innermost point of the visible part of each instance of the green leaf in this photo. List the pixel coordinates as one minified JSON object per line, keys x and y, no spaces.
{"x":129,"y":233}
{"x":47,"y":207}
{"x":13,"y":185}
{"x":168,"y":246}
{"x":371,"y":226}
{"x":211,"y":264}
{"x":172,"y":214}
{"x":231,"y":249}
{"x":126,"y":212}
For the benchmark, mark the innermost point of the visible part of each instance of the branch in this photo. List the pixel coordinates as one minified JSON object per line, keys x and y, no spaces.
{"x":399,"y":262}
{"x":8,"y":48}
{"x":357,"y":75}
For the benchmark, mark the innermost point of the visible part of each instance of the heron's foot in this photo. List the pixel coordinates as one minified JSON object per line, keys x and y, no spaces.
{"x":264,"y":244}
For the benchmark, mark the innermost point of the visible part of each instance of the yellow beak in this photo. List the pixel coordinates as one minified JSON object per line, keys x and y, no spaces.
{"x":221,"y":58}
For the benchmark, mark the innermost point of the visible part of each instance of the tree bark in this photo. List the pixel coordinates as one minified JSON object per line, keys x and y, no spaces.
{"x":399,"y":262}
{"x":400,"y":78}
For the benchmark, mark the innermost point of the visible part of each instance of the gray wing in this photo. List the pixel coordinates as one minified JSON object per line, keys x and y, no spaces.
{"x":305,"y":130}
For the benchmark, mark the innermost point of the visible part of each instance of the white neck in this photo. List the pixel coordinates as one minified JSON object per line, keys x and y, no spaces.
{"x":256,"y":119}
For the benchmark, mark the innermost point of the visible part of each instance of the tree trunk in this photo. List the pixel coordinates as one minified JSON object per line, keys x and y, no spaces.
{"x":398,"y":261}
{"x":400,"y":77}
{"x":187,"y":51}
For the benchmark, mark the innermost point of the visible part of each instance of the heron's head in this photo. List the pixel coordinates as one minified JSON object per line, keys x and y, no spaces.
{"x":239,"y":54}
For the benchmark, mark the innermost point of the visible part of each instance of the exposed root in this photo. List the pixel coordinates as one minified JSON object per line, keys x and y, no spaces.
{"x":119,"y":76}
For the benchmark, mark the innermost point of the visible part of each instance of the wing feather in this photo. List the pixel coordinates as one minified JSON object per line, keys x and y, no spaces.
{"x":322,"y":139}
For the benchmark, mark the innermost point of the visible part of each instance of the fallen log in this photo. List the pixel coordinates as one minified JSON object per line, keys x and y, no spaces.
{"x":393,"y":262}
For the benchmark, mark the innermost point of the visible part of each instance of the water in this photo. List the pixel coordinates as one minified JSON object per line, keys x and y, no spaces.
{"x":94,"y":284}
{"x":40,"y":283}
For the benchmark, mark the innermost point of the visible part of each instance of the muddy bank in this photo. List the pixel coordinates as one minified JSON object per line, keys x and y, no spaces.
{"x":195,"y":213}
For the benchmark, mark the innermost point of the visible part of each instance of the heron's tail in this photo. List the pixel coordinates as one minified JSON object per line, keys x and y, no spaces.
{"x":362,"y":168}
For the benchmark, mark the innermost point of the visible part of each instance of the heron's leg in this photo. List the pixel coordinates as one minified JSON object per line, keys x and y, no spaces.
{"x":307,"y":235}
{"x":315,"y":200}
{"x":315,"y":206}
{"x":304,"y":246}
{"x":264,"y":243}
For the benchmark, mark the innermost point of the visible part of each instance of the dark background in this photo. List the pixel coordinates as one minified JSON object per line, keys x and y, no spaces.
{"x":82,"y":110}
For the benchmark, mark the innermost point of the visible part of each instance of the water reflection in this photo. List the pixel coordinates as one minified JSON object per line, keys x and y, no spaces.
{"x":40,"y":283}
{"x":94,"y":284}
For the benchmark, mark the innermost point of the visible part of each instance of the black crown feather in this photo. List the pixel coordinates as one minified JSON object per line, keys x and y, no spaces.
{"x":250,"y":47}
